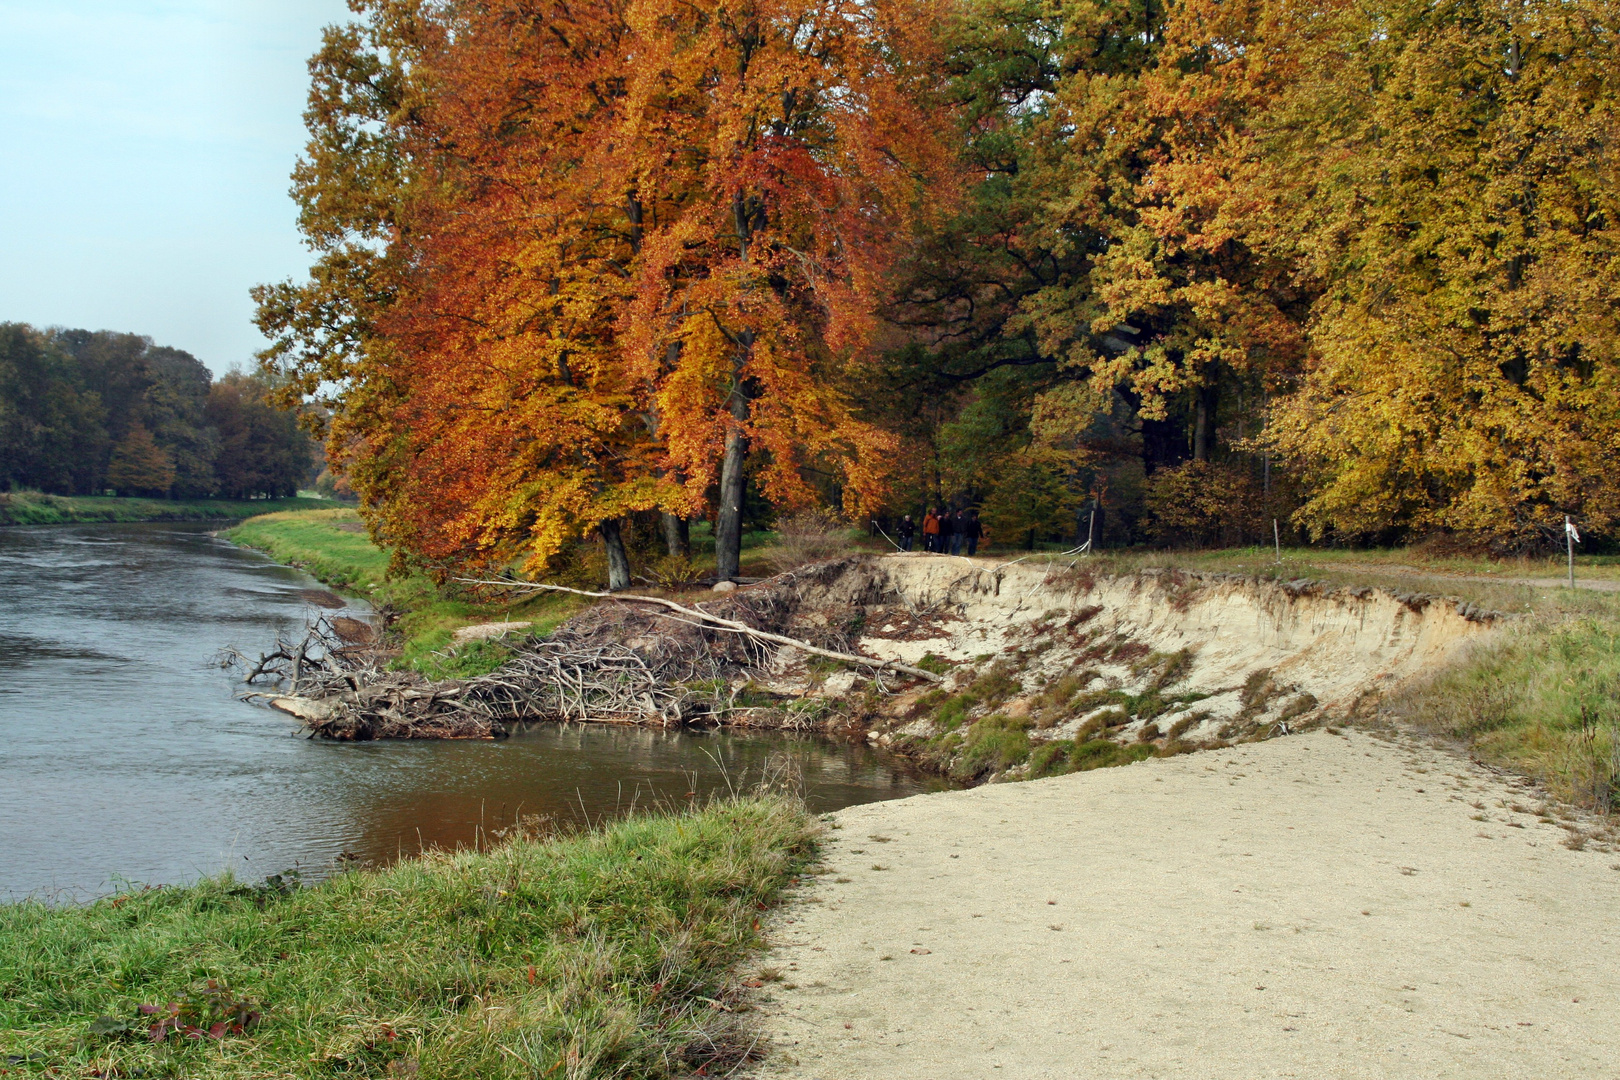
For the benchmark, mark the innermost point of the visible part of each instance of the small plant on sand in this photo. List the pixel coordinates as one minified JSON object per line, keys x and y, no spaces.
{"x":1071,"y":755}
{"x":1593,"y":763}
{"x":992,"y":745}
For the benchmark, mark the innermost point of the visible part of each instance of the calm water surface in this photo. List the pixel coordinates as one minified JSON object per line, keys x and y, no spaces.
{"x":125,"y":757}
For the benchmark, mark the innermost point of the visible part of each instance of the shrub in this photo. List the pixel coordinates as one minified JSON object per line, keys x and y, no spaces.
{"x":994,"y":744}
{"x":1050,"y":758}
{"x":1204,"y":504}
{"x":807,"y":537}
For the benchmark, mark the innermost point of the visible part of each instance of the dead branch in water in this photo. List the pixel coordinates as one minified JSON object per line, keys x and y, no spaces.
{"x":657,"y":662}
{"x":731,"y":625}
{"x":341,"y":692}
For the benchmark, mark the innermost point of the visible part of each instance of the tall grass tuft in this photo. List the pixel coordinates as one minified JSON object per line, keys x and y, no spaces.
{"x":603,"y":954}
{"x":1542,"y":697}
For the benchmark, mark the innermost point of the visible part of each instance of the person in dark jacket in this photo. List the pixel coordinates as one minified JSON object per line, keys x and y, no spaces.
{"x":905,"y":531}
{"x":950,"y":531}
{"x":972,"y":531}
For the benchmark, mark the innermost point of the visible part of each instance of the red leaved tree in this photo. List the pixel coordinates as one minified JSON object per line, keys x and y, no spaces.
{"x":635,"y":241}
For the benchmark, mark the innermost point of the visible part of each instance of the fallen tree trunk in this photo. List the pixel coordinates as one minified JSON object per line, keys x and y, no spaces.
{"x":731,"y":625}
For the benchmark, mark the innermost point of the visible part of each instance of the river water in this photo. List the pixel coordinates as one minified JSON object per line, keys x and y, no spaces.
{"x":125,"y":757}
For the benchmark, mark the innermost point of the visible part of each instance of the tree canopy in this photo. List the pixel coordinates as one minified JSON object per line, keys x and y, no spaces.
{"x":1351,"y":266}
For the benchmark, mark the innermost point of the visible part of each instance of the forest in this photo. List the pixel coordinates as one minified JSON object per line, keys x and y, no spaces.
{"x":605,"y":267}
{"x":85,"y":413}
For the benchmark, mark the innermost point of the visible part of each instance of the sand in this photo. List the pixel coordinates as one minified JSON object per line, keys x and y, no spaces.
{"x":1314,"y":906}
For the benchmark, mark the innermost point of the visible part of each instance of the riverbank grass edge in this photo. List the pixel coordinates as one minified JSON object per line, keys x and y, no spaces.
{"x":332,"y":545}
{"x":35,"y":508}
{"x":611,"y":952}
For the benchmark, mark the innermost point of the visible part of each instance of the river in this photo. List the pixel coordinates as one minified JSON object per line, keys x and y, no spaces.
{"x":126,"y":758}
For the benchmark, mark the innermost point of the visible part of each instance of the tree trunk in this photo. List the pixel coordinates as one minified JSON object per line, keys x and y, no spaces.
{"x":618,"y":561}
{"x":733,"y":484}
{"x":677,"y":535}
{"x":1204,"y":421}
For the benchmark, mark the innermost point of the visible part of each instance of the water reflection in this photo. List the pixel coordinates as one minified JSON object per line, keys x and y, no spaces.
{"x":124,"y":755}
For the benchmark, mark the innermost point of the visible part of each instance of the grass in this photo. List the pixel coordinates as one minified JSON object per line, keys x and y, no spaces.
{"x":33,"y":508}
{"x":1069,"y":755}
{"x":332,"y":545}
{"x":1541,"y":697}
{"x":602,"y":954}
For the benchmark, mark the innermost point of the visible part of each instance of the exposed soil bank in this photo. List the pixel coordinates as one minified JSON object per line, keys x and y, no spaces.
{"x":1227,"y":654}
{"x":1049,"y":670}
{"x":1312,"y":906}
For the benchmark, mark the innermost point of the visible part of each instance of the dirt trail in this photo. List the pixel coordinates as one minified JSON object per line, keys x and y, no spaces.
{"x":1595,"y":584}
{"x":1315,"y":906}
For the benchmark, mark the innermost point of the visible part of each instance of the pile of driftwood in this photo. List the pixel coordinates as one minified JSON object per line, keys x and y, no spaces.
{"x":634,"y":659}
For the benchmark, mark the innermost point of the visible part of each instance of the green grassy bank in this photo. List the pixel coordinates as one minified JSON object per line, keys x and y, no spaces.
{"x":33,"y":508}
{"x":603,"y":954}
{"x":332,"y":545}
{"x":1541,"y":697}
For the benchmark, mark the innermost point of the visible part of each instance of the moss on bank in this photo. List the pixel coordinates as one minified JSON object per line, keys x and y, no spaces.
{"x":600,"y":954}
{"x":33,"y":508}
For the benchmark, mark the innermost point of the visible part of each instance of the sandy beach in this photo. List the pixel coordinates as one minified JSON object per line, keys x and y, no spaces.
{"x":1325,"y":906}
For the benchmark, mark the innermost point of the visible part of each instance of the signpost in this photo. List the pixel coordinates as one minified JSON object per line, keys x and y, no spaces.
{"x":1571,"y":538}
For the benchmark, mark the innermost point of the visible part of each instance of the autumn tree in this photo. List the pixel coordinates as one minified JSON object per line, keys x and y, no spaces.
{"x":1446,"y":171}
{"x":139,"y":466}
{"x":626,"y":245}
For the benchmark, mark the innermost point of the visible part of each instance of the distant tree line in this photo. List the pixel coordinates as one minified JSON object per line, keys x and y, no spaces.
{"x":86,"y":412}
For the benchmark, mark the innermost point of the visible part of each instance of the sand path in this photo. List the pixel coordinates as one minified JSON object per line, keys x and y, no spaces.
{"x":1317,"y":906}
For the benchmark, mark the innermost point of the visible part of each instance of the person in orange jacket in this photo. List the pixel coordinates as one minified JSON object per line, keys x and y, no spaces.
{"x":931,"y":530}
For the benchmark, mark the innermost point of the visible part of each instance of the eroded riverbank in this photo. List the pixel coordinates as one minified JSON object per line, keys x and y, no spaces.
{"x":124,"y":754}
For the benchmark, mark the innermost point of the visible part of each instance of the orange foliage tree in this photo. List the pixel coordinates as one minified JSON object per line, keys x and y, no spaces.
{"x":638,"y":240}
{"x":783,"y":151}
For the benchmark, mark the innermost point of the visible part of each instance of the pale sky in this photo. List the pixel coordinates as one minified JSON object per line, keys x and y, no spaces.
{"x":145,"y":148}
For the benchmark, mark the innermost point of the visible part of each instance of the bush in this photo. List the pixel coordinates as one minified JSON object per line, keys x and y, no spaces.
{"x":811,"y":536}
{"x":1204,"y":504}
{"x":994,"y":744}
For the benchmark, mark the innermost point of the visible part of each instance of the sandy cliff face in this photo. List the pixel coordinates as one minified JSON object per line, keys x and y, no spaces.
{"x":1147,"y":659}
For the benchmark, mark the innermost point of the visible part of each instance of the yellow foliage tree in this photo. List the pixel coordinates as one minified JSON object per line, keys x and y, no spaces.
{"x":1445,"y":174}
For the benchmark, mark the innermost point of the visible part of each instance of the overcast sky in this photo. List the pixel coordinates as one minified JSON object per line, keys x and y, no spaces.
{"x":145,"y":147}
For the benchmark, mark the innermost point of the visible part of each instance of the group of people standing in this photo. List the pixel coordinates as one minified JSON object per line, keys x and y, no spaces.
{"x":956,"y":532}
